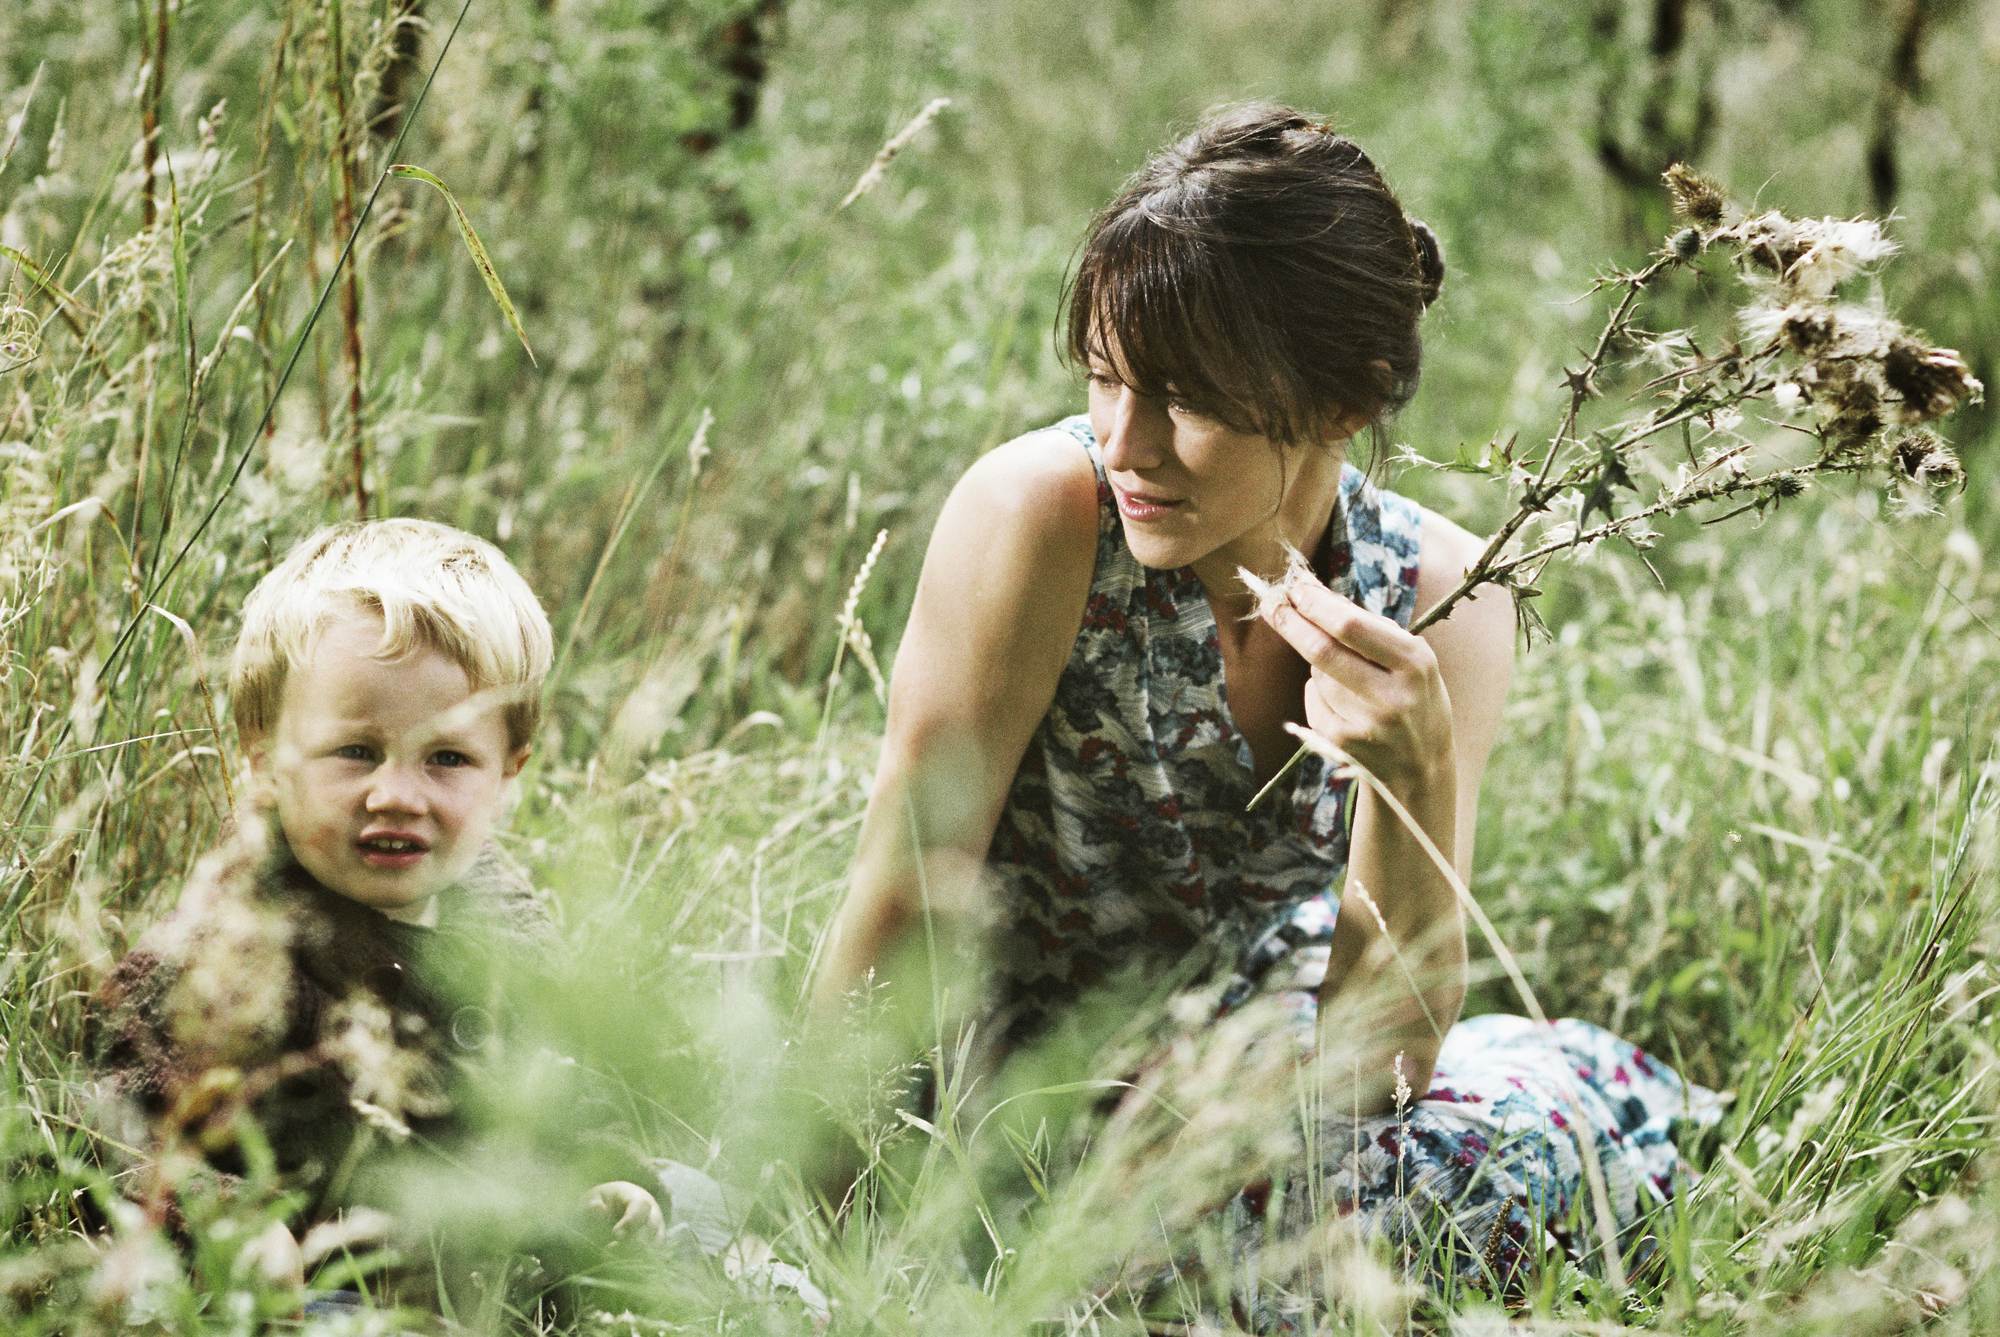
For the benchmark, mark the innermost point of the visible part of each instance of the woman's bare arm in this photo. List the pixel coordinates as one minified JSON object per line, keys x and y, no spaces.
{"x":995,"y":617}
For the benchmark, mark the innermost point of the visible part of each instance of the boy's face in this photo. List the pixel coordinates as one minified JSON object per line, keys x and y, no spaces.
{"x":386,"y":775}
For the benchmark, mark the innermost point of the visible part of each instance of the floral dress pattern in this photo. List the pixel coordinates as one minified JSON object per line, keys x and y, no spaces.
{"x":1124,"y":846}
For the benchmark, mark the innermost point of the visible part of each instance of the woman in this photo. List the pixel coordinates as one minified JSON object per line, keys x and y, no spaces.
{"x":1087,"y":698}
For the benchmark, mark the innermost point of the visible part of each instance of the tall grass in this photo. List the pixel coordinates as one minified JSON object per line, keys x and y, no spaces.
{"x":1742,"y":813}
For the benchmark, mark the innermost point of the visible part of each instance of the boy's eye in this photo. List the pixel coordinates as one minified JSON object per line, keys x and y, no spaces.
{"x":355,"y":752}
{"x":449,"y":757}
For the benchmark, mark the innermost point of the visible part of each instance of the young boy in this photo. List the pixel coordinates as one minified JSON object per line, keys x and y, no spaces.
{"x":329,"y":964}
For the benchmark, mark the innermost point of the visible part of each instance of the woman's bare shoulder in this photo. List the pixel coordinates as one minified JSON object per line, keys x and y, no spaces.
{"x":1041,"y":483}
{"x":1003,"y":585}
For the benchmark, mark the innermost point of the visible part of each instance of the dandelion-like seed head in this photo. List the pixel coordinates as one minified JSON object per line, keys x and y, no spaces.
{"x":1273,"y":594}
{"x":1696,"y":199}
{"x":1834,"y":250}
{"x":1769,"y":241}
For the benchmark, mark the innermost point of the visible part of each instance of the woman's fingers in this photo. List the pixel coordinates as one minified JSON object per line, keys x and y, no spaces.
{"x":1375,"y":689}
{"x":1326,"y":652}
{"x":1368,"y":635}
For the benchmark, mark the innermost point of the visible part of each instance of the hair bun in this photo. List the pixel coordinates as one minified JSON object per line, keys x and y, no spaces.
{"x":1430,"y":259}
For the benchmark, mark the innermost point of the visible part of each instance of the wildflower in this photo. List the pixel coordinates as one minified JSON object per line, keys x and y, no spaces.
{"x":1695,"y":198}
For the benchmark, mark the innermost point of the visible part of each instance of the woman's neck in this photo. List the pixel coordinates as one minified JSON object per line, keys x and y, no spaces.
{"x":1300,"y":522}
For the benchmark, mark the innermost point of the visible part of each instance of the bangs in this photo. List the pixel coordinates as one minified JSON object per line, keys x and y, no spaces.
{"x":1172,"y":314}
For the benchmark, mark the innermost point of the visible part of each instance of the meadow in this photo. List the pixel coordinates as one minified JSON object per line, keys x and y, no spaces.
{"x":1743,"y":813}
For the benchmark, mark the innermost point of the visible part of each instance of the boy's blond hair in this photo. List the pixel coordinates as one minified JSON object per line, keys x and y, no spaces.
{"x":434,"y":586}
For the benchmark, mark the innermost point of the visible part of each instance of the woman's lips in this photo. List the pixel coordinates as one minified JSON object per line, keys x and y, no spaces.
{"x":1135,"y":507}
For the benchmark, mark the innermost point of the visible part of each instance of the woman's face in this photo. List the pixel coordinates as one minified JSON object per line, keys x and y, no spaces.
{"x":1191,"y":488}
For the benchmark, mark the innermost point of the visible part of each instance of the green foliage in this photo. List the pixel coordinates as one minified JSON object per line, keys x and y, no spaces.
{"x":1743,"y":812}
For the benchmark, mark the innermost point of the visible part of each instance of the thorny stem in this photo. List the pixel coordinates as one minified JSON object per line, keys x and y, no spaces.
{"x":1582,"y":384}
{"x":1540,"y":491}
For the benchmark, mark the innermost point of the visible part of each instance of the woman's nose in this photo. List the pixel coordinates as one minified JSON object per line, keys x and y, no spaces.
{"x":1141,"y":434}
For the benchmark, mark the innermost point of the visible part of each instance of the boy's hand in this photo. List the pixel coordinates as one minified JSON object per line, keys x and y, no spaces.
{"x":276,"y":1257}
{"x":633,"y":1212}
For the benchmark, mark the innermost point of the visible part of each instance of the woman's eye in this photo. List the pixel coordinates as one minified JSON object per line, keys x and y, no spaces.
{"x":447,"y":757}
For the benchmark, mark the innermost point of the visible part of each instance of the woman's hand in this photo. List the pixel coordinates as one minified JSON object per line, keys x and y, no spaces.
{"x":1376,"y":691}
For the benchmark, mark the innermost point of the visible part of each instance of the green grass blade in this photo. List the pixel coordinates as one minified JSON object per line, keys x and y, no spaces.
{"x":473,"y":245}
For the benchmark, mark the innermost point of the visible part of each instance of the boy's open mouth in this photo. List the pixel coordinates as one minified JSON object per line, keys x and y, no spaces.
{"x":392,"y":849}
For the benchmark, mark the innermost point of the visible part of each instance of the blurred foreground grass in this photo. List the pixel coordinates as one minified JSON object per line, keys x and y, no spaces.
{"x":1743,"y":814}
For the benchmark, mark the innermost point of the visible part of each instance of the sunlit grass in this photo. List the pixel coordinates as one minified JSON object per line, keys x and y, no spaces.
{"x":1743,"y":812}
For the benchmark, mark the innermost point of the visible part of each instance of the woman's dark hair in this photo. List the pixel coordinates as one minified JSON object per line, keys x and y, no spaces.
{"x":1259,"y":271}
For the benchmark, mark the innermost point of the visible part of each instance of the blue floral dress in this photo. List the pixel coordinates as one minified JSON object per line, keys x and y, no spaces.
{"x":1124,"y":846}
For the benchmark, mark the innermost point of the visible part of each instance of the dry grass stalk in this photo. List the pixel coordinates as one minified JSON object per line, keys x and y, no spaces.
{"x":350,"y":279}
{"x":854,"y":636}
{"x":897,"y":143}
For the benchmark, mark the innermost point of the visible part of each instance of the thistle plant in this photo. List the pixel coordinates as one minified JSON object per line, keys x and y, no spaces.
{"x":1810,"y":383}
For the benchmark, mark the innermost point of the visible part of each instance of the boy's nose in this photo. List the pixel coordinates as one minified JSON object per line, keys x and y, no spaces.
{"x":1141,"y":434}
{"x":395,"y":789}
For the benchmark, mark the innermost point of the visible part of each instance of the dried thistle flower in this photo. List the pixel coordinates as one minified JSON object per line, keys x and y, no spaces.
{"x":1274,"y":594}
{"x":1923,"y":457}
{"x":1695,"y":198}
{"x":1852,"y":365}
{"x":1930,"y":381}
